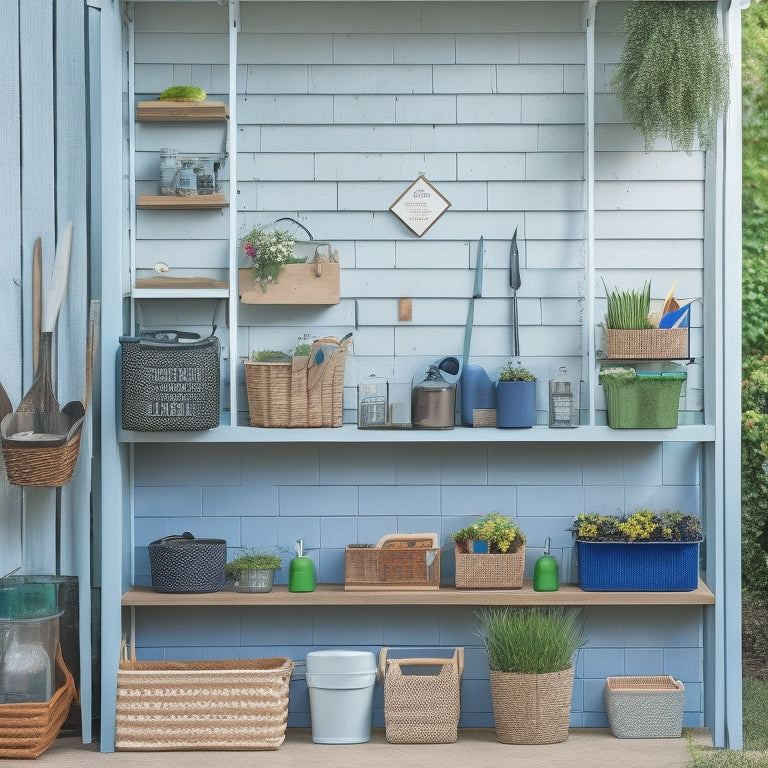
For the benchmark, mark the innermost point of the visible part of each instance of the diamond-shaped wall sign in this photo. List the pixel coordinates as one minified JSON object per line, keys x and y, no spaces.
{"x":420,"y":206}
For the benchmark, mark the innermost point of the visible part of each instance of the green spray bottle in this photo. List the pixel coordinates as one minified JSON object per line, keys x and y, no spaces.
{"x":301,"y":571}
{"x":545,"y":575}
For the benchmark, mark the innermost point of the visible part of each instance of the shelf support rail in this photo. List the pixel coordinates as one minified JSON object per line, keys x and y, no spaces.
{"x":234,"y":28}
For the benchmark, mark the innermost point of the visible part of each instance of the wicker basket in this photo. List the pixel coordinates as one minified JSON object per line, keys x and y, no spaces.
{"x":239,"y":704}
{"x":30,"y":463}
{"x":297,"y":393}
{"x":490,"y":571}
{"x":531,"y":709}
{"x":27,"y":729}
{"x":647,"y":344}
{"x":645,"y":707}
{"x":422,"y":708}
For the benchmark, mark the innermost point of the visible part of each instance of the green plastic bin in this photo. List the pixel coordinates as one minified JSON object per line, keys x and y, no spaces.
{"x":645,"y":401}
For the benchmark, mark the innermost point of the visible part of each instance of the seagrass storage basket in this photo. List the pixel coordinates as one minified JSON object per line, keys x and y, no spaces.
{"x":645,"y":707}
{"x":305,"y":392}
{"x":238,"y":704}
{"x":475,"y":571}
{"x":647,"y":344}
{"x":27,"y":729}
{"x":421,"y":708}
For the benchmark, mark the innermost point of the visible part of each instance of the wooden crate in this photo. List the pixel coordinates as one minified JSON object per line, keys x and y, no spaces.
{"x":398,"y":562}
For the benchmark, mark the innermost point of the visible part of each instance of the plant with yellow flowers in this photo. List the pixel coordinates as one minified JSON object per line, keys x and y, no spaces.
{"x":501,"y":533}
{"x":641,"y":526}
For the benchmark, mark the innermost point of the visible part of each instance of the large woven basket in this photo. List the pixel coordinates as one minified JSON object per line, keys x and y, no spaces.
{"x":647,"y":344}
{"x":422,"y":708}
{"x":299,"y":393}
{"x":27,"y":729}
{"x":645,"y":706}
{"x":490,"y":571}
{"x":238,"y":704}
{"x":531,"y":709}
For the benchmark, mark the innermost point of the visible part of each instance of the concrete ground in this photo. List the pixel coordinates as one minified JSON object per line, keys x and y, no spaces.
{"x":475,"y":748}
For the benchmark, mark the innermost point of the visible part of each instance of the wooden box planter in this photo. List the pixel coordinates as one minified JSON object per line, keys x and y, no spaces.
{"x":369,"y":568}
{"x":313,"y":283}
{"x":490,"y":571}
{"x":647,"y":344}
{"x":623,"y":566}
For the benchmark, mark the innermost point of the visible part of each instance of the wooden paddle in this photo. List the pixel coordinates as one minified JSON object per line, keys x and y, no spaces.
{"x":41,"y":398}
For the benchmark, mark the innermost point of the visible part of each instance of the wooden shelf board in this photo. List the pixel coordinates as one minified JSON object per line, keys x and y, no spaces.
{"x":334,"y":594}
{"x":172,"y":203}
{"x":181,"y":111}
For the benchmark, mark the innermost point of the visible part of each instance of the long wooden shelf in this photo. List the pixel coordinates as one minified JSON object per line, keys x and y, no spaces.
{"x":334,"y":594}
{"x":181,"y":111}
{"x":173,"y":203}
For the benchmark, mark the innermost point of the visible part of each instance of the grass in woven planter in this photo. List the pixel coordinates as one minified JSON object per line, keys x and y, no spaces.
{"x":530,"y":655}
{"x":628,"y":310}
{"x":530,"y":640}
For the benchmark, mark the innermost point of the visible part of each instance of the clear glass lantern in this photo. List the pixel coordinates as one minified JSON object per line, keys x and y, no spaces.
{"x":373,"y":402}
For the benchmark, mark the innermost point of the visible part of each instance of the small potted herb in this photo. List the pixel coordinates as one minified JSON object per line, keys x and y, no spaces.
{"x":254,"y":570}
{"x":515,"y":397}
{"x":490,"y":553}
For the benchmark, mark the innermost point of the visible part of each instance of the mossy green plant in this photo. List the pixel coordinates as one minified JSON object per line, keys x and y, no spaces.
{"x":253,"y":560}
{"x":672,"y":78}
{"x":269,"y":356}
{"x":183,"y":93}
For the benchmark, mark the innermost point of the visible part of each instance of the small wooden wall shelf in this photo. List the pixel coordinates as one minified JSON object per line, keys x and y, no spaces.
{"x":172,"y":203}
{"x":335,"y":594}
{"x":296,"y":284}
{"x":194,"y":111}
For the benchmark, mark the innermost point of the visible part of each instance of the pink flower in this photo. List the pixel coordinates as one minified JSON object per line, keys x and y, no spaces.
{"x":250,"y":250}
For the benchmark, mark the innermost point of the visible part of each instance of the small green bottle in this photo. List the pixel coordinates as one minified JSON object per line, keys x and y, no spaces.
{"x":545,"y":575}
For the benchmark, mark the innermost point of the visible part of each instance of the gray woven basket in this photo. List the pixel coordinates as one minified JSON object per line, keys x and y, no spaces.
{"x":645,"y":707}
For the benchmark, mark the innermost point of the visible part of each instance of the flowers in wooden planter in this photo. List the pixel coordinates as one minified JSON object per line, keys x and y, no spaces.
{"x":501,"y":533}
{"x":269,"y":251}
{"x":645,"y":525}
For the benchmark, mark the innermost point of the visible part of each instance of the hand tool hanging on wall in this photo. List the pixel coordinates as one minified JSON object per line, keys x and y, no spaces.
{"x":477,"y":390}
{"x":514,"y":284}
{"x":40,"y":398}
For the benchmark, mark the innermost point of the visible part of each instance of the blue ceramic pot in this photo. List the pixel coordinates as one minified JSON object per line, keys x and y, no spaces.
{"x":515,"y":403}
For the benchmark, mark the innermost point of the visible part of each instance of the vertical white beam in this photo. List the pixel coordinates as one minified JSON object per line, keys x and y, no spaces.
{"x":234,"y":29}
{"x":731,"y":382}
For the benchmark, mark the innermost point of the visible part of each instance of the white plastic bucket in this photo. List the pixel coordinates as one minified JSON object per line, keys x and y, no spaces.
{"x":341,"y":695}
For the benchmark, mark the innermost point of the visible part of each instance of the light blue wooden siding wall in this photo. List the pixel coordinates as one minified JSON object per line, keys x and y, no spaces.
{"x":340,"y":107}
{"x":45,"y":169}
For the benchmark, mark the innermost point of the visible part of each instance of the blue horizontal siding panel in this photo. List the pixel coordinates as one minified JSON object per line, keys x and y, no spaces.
{"x":531,"y":78}
{"x":424,"y":49}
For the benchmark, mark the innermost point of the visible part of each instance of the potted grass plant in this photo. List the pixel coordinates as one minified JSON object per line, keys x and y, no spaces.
{"x":672,"y":78}
{"x":254,"y":570}
{"x":531,"y":655}
{"x":515,"y":397}
{"x":490,"y":554}
{"x":630,"y":333}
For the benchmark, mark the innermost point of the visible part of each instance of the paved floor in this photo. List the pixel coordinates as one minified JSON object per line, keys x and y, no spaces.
{"x":585,"y":748}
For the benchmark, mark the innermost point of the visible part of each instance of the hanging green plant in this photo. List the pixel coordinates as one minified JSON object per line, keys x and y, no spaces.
{"x":673,"y":74}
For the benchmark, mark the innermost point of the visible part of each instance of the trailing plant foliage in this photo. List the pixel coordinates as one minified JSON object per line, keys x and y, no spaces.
{"x":673,"y":74}
{"x":628,"y":310}
{"x":530,"y":640}
{"x":754,"y":480}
